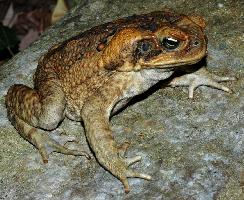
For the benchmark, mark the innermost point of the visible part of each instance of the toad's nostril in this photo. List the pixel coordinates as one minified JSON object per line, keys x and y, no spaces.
{"x":196,"y":43}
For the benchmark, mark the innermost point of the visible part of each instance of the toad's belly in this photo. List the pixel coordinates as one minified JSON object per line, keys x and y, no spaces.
{"x":75,"y":100}
{"x":140,"y":82}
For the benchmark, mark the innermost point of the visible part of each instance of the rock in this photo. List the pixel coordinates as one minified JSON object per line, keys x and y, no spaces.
{"x":193,"y":148}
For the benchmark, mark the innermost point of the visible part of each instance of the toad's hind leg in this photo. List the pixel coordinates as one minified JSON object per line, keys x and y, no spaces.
{"x":31,"y":110}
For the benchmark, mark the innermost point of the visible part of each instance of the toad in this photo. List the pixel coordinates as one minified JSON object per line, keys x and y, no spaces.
{"x":91,"y":76}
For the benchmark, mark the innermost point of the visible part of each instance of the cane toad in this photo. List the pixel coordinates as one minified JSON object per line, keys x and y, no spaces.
{"x":90,"y":76}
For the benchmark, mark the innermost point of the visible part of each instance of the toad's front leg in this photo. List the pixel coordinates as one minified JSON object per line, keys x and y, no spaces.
{"x":201,"y":77}
{"x":95,"y":114}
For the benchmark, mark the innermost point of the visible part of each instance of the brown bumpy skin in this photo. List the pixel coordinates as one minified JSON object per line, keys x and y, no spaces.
{"x":89,"y":77}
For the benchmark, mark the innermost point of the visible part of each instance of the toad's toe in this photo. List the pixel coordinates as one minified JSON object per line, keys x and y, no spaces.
{"x":46,"y":145}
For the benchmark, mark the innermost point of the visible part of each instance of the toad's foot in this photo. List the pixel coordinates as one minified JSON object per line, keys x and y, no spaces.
{"x":119,"y":167}
{"x":126,"y":162}
{"x":201,"y":77}
{"x":47,"y":144}
{"x":131,"y":173}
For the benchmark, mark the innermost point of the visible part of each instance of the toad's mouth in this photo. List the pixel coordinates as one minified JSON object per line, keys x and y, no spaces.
{"x":173,"y":60}
{"x":163,"y":63}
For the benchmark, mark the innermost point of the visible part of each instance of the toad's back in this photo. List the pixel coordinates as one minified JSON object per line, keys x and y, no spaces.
{"x":84,"y":46}
{"x":63,"y":56}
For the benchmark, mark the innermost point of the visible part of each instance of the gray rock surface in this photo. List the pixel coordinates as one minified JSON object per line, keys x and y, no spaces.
{"x":193,"y":148}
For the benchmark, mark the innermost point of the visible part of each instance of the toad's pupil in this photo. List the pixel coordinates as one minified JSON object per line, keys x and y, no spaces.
{"x":170,"y":43}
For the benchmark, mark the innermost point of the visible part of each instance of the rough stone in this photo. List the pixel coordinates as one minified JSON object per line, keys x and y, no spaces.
{"x":193,"y":148}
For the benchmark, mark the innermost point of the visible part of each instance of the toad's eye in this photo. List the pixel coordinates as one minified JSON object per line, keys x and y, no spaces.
{"x":144,"y":47}
{"x":170,"y":43}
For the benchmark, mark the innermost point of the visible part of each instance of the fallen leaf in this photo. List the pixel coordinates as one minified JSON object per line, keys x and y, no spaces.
{"x":59,"y":11}
{"x":30,"y":37}
{"x":9,"y":16}
{"x":38,"y":19}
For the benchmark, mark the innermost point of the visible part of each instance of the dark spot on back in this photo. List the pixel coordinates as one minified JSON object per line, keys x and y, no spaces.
{"x":149,"y":26}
